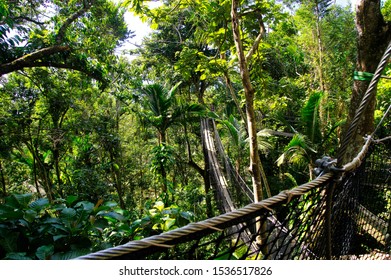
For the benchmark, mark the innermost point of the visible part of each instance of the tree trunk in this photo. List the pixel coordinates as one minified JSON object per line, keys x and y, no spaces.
{"x":232,"y":92}
{"x":374,"y":35}
{"x":56,"y":158}
{"x":249,"y":95}
{"x":2,"y":178}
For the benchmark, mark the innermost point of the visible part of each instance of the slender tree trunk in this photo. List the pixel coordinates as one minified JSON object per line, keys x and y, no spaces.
{"x":36,"y":183}
{"x":56,"y":157}
{"x":232,"y":92}
{"x":2,"y":178}
{"x":374,"y":34}
{"x":320,"y":48}
{"x":323,"y":115}
{"x":250,"y":114}
{"x":43,"y":172}
{"x":119,"y":188}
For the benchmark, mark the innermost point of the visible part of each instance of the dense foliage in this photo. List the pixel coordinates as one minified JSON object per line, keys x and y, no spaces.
{"x":99,"y":147}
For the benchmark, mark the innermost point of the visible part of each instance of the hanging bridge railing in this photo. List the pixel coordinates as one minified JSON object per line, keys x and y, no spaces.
{"x":294,"y":222}
{"x":345,"y":213}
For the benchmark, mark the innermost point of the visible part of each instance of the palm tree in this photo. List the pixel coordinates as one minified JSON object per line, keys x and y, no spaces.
{"x":158,"y":108}
{"x":161,"y":109}
{"x":238,"y":135}
{"x":307,"y":145}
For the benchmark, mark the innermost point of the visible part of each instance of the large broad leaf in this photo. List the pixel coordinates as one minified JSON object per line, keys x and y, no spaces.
{"x":39,"y":204}
{"x":111,"y":204}
{"x":9,"y":243}
{"x":187,"y":215}
{"x":68,"y":214}
{"x":44,"y":252}
{"x":108,"y":205}
{"x":86,"y":206}
{"x":9,"y":213}
{"x":59,"y":236}
{"x":60,"y":228}
{"x":18,"y":200}
{"x":169,"y":224}
{"x":70,"y":255}
{"x":112,"y":216}
{"x":71,"y":199}
{"x":159,"y":205}
{"x":17,"y":256}
{"x":30,"y":215}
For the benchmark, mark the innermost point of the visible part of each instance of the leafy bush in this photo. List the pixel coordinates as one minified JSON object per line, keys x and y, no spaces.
{"x":68,"y":228}
{"x":160,"y":219}
{"x":62,"y":230}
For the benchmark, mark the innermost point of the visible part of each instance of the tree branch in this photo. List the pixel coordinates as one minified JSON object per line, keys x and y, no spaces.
{"x":29,"y":60}
{"x":36,"y":60}
{"x":262,"y":31}
{"x":61,"y":32}
{"x":20,"y":19}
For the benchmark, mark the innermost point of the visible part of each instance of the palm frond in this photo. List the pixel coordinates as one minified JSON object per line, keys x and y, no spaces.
{"x":296,"y":152}
{"x":310,"y":116}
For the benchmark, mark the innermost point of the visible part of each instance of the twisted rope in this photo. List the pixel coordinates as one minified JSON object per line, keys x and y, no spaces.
{"x":211,"y":224}
{"x":356,"y":162}
{"x":363,"y":105}
{"x":217,"y":222}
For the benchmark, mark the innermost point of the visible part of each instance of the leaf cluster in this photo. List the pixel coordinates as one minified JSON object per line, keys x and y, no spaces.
{"x":36,"y":229}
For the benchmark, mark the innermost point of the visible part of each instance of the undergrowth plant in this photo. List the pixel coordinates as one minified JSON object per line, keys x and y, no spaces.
{"x":68,"y":228}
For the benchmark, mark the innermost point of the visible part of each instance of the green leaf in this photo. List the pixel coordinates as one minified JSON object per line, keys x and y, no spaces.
{"x":70,"y":254}
{"x":44,"y":252}
{"x":17,"y":256}
{"x":168,"y":224}
{"x":9,"y":243}
{"x":59,"y":236}
{"x":19,"y":200}
{"x":226,"y":256}
{"x":110,"y":204}
{"x":30,"y":215}
{"x":71,"y":199}
{"x":39,"y":204}
{"x":159,"y":205}
{"x":61,"y":227}
{"x":8,"y":212}
{"x":68,"y":213}
{"x":187,"y":215}
{"x":85,"y":205}
{"x":112,"y":216}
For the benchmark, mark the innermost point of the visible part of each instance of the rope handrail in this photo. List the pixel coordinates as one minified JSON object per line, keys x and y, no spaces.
{"x":214,"y":224}
{"x":209,"y":224}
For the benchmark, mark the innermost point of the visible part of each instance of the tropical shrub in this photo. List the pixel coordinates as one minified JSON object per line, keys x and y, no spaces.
{"x":68,"y":228}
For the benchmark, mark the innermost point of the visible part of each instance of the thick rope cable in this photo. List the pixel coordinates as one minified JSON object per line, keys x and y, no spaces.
{"x":216,"y":222}
{"x":212,"y":223}
{"x":363,"y":105}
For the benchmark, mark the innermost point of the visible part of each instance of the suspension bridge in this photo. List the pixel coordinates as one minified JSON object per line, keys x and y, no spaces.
{"x":345,"y":213}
